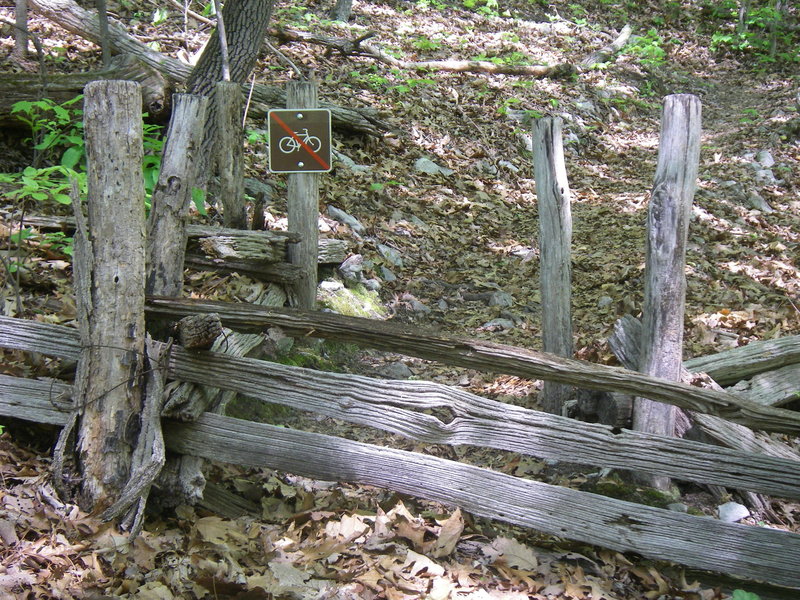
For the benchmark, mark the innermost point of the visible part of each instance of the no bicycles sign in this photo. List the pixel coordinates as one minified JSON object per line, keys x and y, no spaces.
{"x":299,"y":140}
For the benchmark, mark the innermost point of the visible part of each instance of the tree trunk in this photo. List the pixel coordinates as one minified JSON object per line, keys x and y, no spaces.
{"x":341,"y":10}
{"x":665,"y":284}
{"x":555,"y":236}
{"x":246,"y":23}
{"x":111,"y":291}
{"x":21,"y":33}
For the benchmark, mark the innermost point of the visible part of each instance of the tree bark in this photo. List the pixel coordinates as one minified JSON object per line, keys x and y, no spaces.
{"x":665,"y":285}
{"x":555,"y":237}
{"x":341,"y":10}
{"x":108,"y":386}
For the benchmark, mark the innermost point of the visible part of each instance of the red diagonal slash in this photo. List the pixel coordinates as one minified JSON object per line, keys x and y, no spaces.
{"x":305,"y":146}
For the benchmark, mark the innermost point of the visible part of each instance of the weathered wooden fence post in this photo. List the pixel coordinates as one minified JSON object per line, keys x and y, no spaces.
{"x":166,"y":227}
{"x":665,"y":281}
{"x":110,"y":274}
{"x":555,"y":236}
{"x":303,"y":200}
{"x":230,"y":153}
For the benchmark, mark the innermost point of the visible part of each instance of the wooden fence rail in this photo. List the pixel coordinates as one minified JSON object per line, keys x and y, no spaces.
{"x":438,"y":414}
{"x":751,"y":552}
{"x":485,"y":356}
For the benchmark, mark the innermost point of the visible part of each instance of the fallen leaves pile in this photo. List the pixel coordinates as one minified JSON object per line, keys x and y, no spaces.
{"x":314,"y":540}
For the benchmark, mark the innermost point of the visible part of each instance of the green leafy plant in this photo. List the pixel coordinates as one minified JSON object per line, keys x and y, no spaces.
{"x":54,"y":127}
{"x":425,"y":43}
{"x":742,"y":595}
{"x":648,"y":48}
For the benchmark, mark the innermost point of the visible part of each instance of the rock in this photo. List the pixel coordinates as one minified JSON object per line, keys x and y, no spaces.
{"x":605,"y":301}
{"x":391,"y":254}
{"x":349,"y":220}
{"x":396,"y":370}
{"x":331,"y":285}
{"x":352,"y":267}
{"x":387,"y":275}
{"x":678,"y":507}
{"x":766,"y":177}
{"x":371,"y":284}
{"x":501,"y":299}
{"x":756,"y":201}
{"x":442,"y":304}
{"x":509,"y":165}
{"x":765,"y":159}
{"x":426,"y":165}
{"x":350,"y":163}
{"x":418,"y":306}
{"x":497,"y":325}
{"x":730,"y":512}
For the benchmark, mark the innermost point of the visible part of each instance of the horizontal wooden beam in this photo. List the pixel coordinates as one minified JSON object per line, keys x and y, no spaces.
{"x":484,"y":356}
{"x":751,"y":552}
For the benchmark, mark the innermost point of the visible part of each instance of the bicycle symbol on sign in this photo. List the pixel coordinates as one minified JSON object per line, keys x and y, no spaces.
{"x":289,"y":144}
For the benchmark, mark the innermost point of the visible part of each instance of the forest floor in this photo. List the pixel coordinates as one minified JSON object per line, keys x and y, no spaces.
{"x":437,"y":243}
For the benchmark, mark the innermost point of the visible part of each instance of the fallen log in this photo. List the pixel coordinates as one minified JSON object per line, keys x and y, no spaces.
{"x":17,"y":87}
{"x":84,"y":23}
{"x":484,"y":356}
{"x":358,"y":47}
{"x":736,"y":364}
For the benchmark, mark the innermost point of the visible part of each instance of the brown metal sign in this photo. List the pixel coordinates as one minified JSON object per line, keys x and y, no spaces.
{"x":299,"y":140}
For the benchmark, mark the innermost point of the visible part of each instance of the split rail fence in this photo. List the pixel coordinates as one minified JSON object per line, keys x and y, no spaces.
{"x":432,"y":413}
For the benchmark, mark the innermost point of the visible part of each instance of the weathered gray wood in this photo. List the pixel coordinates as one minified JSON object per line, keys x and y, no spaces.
{"x":278,"y":238}
{"x":485,"y":356}
{"x":402,"y":407}
{"x":750,"y":552}
{"x":625,"y":345}
{"x":303,"y":207}
{"x":35,"y":400}
{"x":60,"y":87}
{"x":665,"y":282}
{"x":736,"y":364}
{"x":110,"y":394}
{"x":607,"y":53}
{"x":555,"y":238}
{"x":276,"y":272}
{"x":166,"y":226}
{"x":242,"y":248}
{"x":703,"y":543}
{"x":230,"y":153}
{"x":21,"y":31}
{"x":773,"y":388}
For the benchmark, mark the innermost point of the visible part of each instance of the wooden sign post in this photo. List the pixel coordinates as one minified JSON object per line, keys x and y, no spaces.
{"x":300,"y":146}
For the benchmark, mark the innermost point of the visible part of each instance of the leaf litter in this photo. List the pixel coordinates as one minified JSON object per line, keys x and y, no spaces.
{"x":465,"y":228}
